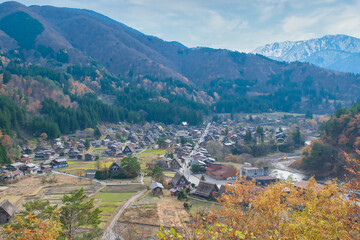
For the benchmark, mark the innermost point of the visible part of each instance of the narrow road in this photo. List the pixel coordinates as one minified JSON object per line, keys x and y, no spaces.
{"x":186,"y":170}
{"x":109,"y":234}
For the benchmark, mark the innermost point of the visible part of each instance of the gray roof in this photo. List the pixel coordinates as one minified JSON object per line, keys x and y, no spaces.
{"x":8,"y":207}
{"x":176,"y":178}
{"x":197,"y":162}
{"x":205,"y":189}
{"x":59,"y":160}
{"x":31,"y":165}
{"x":222,"y":190}
{"x":156,"y":185}
{"x":17,"y":164}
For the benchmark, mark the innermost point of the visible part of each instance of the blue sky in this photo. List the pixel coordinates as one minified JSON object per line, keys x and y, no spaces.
{"x":239,"y":25}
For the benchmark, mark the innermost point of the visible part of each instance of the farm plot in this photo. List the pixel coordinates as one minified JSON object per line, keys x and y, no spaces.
{"x":79,"y":167}
{"x":111,"y":198}
{"x":148,"y":156}
{"x":35,"y":187}
{"x":149,"y":213}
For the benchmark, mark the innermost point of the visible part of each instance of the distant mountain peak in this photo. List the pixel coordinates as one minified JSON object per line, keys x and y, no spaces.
{"x":336,"y":52}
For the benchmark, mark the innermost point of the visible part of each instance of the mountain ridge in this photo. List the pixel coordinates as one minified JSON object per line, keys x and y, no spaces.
{"x":334,"y":52}
{"x":217,"y":77}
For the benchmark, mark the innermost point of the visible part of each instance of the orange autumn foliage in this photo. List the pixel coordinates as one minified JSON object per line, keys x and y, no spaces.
{"x":280,"y":211}
{"x":33,"y":228}
{"x":6,"y":141}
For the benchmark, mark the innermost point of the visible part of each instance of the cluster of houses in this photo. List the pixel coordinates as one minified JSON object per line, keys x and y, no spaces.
{"x":231,"y":135}
{"x":212,"y":191}
{"x":19,"y":169}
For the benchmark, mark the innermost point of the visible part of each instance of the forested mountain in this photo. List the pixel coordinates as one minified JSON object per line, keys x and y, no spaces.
{"x":76,"y":68}
{"x":339,"y":135}
{"x":335,"y":52}
{"x":41,"y":99}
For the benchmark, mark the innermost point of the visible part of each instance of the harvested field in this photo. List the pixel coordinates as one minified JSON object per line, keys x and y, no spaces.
{"x":107,"y":210}
{"x":34,"y":187}
{"x":152,"y":153}
{"x":88,"y":189}
{"x":149,"y":213}
{"x":124,"y":188}
{"x":114,"y":197}
{"x":79,"y":167}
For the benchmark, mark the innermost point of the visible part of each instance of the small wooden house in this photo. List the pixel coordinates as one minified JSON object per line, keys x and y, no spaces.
{"x":115,"y":167}
{"x":89,"y":157}
{"x":175,"y":164}
{"x":128,"y":150}
{"x":179,"y":182}
{"x":90,"y":173}
{"x":15,"y":166}
{"x":7,"y":211}
{"x":157,"y":188}
{"x":207,"y":190}
{"x":59,"y":163}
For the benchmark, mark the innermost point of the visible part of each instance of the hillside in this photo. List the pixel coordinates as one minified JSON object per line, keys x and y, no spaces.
{"x":339,"y":135}
{"x":335,"y":52}
{"x":103,"y":56}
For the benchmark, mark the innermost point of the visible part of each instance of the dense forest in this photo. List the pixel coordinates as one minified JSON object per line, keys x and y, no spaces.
{"x":86,"y":107}
{"x":288,"y":96}
{"x":337,"y":135}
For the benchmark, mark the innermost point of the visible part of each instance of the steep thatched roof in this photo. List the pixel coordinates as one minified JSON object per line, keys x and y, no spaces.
{"x":156,"y":185}
{"x":7,"y":207}
{"x":205,"y":189}
{"x":175,"y":180}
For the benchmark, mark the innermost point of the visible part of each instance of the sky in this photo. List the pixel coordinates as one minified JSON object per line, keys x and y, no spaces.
{"x":240,"y":25}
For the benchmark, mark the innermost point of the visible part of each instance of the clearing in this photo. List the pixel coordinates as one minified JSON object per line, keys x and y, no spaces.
{"x":150,"y":212}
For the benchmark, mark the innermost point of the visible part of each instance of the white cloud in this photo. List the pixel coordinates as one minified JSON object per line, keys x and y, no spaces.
{"x":242,"y":25}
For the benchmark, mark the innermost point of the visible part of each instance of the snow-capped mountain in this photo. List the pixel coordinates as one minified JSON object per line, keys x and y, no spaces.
{"x":335,"y":52}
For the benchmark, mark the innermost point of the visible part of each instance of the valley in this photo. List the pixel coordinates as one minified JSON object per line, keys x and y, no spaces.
{"x":109,"y":133}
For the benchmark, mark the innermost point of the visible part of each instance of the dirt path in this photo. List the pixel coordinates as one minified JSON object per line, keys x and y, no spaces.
{"x":109,"y":234}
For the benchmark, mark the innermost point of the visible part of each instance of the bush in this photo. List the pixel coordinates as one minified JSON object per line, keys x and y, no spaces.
{"x":318,"y":156}
{"x":182,"y":195}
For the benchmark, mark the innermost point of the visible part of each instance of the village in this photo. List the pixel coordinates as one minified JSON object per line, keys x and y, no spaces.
{"x":175,"y":162}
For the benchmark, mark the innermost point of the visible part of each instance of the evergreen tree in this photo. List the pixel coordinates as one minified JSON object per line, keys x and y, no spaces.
{"x":6,"y":77}
{"x":260,"y":132}
{"x":248,"y":137}
{"x":4,"y":159}
{"x":87,"y":144}
{"x":131,"y":166}
{"x":76,"y":213}
{"x":97,"y":133}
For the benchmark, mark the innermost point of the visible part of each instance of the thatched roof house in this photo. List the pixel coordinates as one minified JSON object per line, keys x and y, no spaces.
{"x":207,"y":190}
{"x":7,"y":211}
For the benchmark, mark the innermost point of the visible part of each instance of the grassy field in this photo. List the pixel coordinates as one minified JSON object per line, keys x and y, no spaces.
{"x":13,"y":199}
{"x":150,"y":155}
{"x":168,"y":174}
{"x":77,"y":167}
{"x":152,"y":152}
{"x":115,"y":197}
{"x":201,"y":205}
{"x":107,"y":210}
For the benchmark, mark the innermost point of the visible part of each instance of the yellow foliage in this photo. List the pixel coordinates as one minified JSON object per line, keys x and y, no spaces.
{"x":33,"y":228}
{"x":280,"y":211}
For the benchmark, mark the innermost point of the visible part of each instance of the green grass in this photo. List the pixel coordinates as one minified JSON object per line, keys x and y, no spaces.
{"x":84,"y":165}
{"x":169,"y":174}
{"x":115,"y":197}
{"x":152,"y":152}
{"x":108,"y":210}
{"x":200,"y":205}
{"x":110,"y":203}
{"x":100,"y":148}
